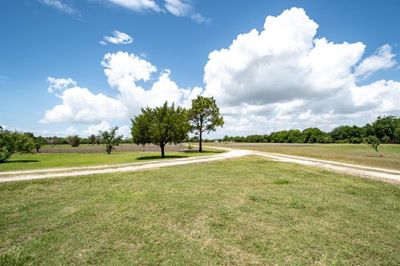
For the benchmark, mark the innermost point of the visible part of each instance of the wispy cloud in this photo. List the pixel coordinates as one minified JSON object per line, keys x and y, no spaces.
{"x":117,"y":37}
{"x":183,"y":8}
{"x":383,"y":58}
{"x":59,"y":5}
{"x":179,"y":8}
{"x":137,"y":5}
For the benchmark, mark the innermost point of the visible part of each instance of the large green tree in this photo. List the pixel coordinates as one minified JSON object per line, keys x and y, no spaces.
{"x":160,"y":126}
{"x":12,"y":142}
{"x":39,"y":142}
{"x":110,"y":138}
{"x":204,"y":117}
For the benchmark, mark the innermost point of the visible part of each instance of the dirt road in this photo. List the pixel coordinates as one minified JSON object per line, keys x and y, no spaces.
{"x":387,"y":175}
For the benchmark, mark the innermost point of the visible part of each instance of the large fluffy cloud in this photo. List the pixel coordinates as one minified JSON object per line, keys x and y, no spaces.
{"x":280,"y":77}
{"x":79,"y":105}
{"x":123,"y":71}
{"x":284,"y":76}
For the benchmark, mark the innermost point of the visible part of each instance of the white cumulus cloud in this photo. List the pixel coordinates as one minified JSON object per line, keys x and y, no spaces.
{"x":283,"y":76}
{"x":280,"y":77}
{"x":123,"y":130}
{"x":79,"y":105}
{"x":59,"y":84}
{"x":123,"y":71}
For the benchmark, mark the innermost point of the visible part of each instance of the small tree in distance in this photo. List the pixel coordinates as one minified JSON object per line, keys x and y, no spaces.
{"x":74,"y":141}
{"x":204,"y":117}
{"x":110,"y":138}
{"x":160,"y":126}
{"x":374,"y":142}
{"x":92,"y":139}
{"x":39,"y":142}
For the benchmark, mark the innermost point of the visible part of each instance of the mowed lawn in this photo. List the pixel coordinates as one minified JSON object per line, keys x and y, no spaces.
{"x":347,"y":153}
{"x":243,"y":211}
{"x":52,"y":160}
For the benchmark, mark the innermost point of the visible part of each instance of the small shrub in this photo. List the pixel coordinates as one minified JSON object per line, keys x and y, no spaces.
{"x":281,"y":182}
{"x":374,"y":142}
{"x":74,"y":141}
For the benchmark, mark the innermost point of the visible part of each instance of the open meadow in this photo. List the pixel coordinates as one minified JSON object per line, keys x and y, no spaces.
{"x":242,"y":211}
{"x":347,"y":153}
{"x":87,"y":155}
{"x":199,"y":132}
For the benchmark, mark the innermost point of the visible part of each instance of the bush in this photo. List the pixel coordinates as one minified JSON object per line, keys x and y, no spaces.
{"x":12,"y":142}
{"x":74,"y":141}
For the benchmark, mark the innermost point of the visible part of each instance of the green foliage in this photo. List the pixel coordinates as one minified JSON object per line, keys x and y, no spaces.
{"x":92,"y":139}
{"x":397,"y":133}
{"x":141,"y":127}
{"x":374,"y":142}
{"x":12,"y":142}
{"x":39,"y":142}
{"x":110,"y":138}
{"x":74,"y":141}
{"x":348,"y":134}
{"x":386,"y":129}
{"x":160,"y":126}
{"x":204,"y":117}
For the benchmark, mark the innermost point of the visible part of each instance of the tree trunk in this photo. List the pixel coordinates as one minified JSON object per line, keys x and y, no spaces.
{"x":200,"y":142}
{"x":162,"y":151}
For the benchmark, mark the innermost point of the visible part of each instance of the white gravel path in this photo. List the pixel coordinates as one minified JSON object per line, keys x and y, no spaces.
{"x":80,"y":171}
{"x":388,"y":175}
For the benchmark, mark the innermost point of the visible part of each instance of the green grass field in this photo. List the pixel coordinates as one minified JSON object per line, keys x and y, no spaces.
{"x":347,"y":153}
{"x":243,"y":211}
{"x":51,"y":160}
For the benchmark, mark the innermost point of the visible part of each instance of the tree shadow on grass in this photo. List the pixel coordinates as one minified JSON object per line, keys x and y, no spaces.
{"x":204,"y":151}
{"x":22,"y":161}
{"x":154,"y":157}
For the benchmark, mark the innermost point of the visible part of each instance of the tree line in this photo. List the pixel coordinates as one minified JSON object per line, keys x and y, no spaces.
{"x":18,"y":142}
{"x":168,"y":124}
{"x":160,"y":126}
{"x":385,"y":129}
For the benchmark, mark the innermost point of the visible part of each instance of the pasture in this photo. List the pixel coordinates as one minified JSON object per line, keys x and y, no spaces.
{"x":88,"y":155}
{"x":347,"y":153}
{"x":242,"y":211}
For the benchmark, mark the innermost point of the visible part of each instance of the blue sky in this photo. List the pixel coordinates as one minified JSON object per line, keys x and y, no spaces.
{"x":61,"y":39}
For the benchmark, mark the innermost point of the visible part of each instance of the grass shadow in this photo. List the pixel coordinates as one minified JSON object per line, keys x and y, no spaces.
{"x":204,"y":151}
{"x":22,"y":161}
{"x":155,"y":157}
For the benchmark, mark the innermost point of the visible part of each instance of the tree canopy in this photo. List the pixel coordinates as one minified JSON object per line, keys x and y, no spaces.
{"x":385,"y":129}
{"x":204,"y":117}
{"x":110,"y":138}
{"x":12,"y":142}
{"x":160,"y":126}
